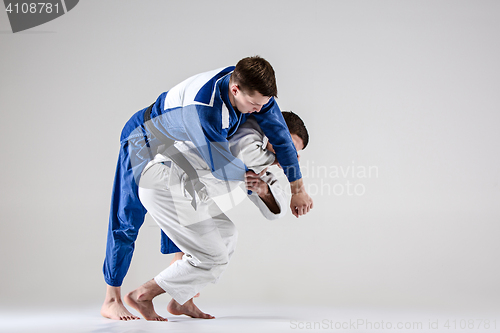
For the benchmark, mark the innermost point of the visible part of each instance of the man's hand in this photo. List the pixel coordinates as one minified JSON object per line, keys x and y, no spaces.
{"x":301,"y":202}
{"x":255,"y":184}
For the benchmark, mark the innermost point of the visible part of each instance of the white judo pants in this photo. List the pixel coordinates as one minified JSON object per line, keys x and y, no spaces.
{"x":206,"y":235}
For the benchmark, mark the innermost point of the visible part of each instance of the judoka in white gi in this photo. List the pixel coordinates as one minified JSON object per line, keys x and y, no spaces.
{"x":205,"y":235}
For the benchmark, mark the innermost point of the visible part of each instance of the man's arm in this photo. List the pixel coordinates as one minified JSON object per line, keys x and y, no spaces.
{"x":269,"y":200}
{"x":266,"y":194}
{"x":274,"y":126}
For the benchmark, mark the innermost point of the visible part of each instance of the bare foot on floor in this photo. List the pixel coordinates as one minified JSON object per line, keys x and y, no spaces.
{"x":117,"y":311}
{"x":188,"y":309}
{"x":145,"y":306}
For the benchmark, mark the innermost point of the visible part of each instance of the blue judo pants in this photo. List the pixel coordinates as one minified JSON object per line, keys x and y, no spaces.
{"x":127,"y":212}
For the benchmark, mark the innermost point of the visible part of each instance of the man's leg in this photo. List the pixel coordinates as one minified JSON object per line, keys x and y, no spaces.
{"x":141,"y":299}
{"x":229,"y":236}
{"x":125,"y":218}
{"x":177,"y":256}
{"x":182,"y":280}
{"x":207,"y":244}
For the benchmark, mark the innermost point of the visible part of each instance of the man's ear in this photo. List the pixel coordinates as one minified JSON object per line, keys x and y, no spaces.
{"x":234,"y":89}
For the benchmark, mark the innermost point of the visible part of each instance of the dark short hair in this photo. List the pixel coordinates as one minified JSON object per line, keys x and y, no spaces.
{"x":296,"y":126}
{"x":255,"y":74}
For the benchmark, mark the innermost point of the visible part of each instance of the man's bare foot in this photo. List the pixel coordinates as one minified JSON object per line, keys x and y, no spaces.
{"x":141,"y":299}
{"x":188,"y":309}
{"x":117,"y":311}
{"x":113,"y":307}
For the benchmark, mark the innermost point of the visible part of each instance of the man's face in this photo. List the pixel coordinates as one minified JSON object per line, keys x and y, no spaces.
{"x":247,"y":103}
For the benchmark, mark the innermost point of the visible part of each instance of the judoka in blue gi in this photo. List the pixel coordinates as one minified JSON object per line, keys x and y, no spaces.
{"x":205,"y":109}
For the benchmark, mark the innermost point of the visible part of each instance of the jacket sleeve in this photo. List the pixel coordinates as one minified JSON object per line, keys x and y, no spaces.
{"x":274,"y":127}
{"x":246,"y":145}
{"x":278,"y":194}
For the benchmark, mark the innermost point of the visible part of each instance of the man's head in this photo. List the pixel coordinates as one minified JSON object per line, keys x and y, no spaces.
{"x":298,"y":131}
{"x":252,"y":84}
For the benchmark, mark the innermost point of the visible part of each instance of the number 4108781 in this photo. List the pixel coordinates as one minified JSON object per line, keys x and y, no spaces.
{"x":32,"y":8}
{"x":470,"y":324}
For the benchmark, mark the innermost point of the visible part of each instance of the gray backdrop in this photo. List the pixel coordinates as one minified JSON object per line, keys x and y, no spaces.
{"x":401,"y":99}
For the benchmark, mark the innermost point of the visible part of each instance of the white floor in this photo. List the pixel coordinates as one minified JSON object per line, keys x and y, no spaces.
{"x":254,"y":318}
